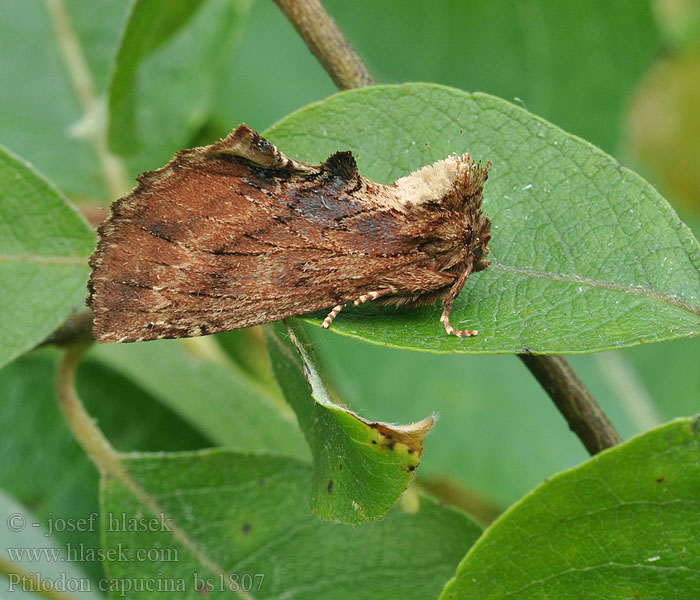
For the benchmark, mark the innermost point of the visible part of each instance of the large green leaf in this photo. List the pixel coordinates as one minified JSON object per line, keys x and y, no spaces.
{"x":217,"y":399}
{"x":586,"y":255}
{"x":238,"y":516}
{"x":171,"y":61}
{"x":44,"y":248}
{"x":360,"y":468}
{"x":625,"y":524}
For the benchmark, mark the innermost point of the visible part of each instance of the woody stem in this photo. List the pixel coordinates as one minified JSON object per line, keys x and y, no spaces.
{"x":327,"y":42}
{"x":553,"y":372}
{"x":583,"y":414}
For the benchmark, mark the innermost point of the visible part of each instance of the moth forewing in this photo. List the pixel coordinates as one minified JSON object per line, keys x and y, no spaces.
{"x":238,"y":234}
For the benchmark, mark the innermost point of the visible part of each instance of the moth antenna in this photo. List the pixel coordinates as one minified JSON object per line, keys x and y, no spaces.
{"x":450,"y":298}
{"x":332,"y":315}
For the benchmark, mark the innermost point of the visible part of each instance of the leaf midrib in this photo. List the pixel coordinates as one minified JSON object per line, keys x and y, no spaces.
{"x":638,"y":290}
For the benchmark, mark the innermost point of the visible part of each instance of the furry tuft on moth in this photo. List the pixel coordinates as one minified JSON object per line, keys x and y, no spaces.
{"x":237,"y":234}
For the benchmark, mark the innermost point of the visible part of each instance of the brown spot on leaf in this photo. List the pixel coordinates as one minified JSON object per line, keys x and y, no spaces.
{"x":410,"y":435}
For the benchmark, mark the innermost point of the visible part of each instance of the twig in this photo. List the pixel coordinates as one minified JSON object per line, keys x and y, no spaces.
{"x":77,"y":328}
{"x":84,"y":429}
{"x":109,"y":462}
{"x":327,"y":42}
{"x":585,"y":418}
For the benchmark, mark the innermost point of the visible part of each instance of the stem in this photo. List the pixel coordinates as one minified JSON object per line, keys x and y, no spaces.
{"x":84,"y":429}
{"x":327,"y":42}
{"x":108,"y":461}
{"x":585,"y":418}
{"x":77,"y":328}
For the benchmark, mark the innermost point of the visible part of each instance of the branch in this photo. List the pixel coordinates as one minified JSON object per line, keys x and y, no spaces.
{"x":84,"y":429}
{"x":327,"y":42}
{"x":585,"y":418}
{"x":76,"y":329}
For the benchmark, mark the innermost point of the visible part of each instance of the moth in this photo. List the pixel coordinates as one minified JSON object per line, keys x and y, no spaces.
{"x":238,"y":234}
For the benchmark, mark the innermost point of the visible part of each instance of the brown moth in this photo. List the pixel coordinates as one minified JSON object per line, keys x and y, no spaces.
{"x":237,"y":234}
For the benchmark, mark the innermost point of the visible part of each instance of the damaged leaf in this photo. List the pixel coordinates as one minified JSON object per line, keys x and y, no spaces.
{"x":360,"y":467}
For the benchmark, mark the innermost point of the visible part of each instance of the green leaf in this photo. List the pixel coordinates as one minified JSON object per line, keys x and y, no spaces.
{"x":244,"y":515}
{"x":586,"y":255}
{"x":216,"y":398}
{"x":177,"y":50}
{"x":360,"y":468}
{"x":625,"y":524}
{"x":44,"y":248}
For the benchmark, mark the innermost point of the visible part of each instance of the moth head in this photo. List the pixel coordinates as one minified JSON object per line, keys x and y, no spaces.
{"x":466,"y":198}
{"x":449,"y":196}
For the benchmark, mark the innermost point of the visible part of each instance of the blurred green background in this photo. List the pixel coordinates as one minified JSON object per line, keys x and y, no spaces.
{"x":623,"y":75}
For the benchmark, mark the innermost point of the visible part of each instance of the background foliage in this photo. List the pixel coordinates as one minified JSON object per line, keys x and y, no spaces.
{"x":593,"y":68}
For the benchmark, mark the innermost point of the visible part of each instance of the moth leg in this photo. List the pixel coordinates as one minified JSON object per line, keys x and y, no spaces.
{"x":372,"y":296}
{"x":332,"y":315}
{"x":449,"y":300}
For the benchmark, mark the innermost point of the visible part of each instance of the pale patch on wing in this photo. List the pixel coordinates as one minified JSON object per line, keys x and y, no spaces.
{"x":432,"y":182}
